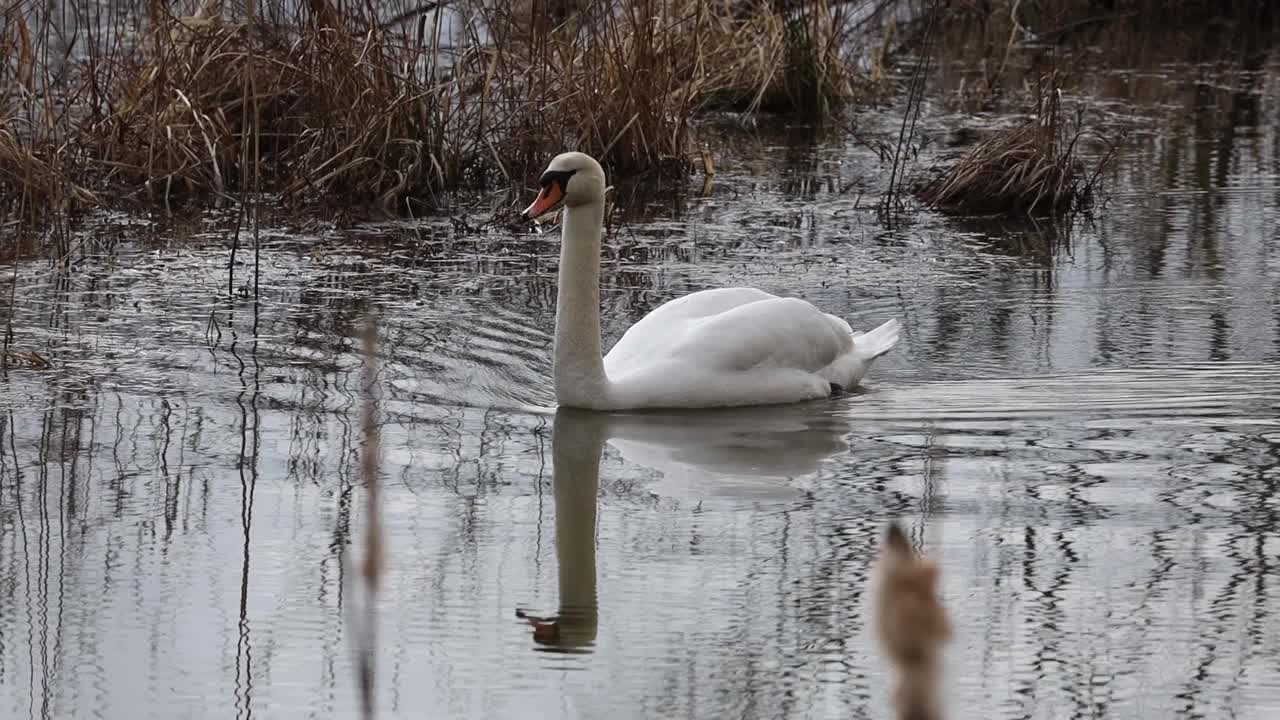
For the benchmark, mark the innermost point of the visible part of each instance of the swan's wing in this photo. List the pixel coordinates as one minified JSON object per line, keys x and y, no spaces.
{"x":654,"y":330}
{"x":769,"y":333}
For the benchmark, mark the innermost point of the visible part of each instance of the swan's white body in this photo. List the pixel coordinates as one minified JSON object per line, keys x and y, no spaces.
{"x":738,"y":346}
{"x":714,"y":348}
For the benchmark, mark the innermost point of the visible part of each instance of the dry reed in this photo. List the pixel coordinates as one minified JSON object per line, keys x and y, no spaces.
{"x":912,"y":625}
{"x":777,"y":60}
{"x":335,"y":112}
{"x":29,"y":179}
{"x":1034,"y":168}
{"x":331,"y":100}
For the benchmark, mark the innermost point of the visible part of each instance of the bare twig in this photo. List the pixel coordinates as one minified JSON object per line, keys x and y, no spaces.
{"x":915,"y":99}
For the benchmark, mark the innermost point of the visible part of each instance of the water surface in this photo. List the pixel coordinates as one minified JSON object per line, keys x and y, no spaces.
{"x":1080,"y":421}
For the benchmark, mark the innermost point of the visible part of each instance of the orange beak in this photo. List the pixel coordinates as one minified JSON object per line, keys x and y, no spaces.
{"x":547,"y":199}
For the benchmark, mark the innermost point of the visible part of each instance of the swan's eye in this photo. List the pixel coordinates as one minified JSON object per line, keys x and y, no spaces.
{"x":557,"y":176}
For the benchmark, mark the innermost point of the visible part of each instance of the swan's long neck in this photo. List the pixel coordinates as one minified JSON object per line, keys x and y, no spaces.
{"x":578,"y":367}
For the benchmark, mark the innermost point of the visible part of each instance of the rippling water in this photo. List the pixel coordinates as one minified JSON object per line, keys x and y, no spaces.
{"x":1087,"y":437}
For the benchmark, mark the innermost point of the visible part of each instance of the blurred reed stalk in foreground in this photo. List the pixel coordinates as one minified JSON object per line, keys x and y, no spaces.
{"x":363,"y":617}
{"x":912,"y":625}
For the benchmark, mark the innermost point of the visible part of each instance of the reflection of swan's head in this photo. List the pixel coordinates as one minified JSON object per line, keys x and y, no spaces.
{"x":573,"y":178}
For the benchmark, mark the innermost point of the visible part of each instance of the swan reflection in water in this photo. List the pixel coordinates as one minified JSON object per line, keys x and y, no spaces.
{"x":751,"y":451}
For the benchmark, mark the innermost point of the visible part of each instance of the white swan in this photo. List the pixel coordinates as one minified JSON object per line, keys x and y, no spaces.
{"x":725,"y":347}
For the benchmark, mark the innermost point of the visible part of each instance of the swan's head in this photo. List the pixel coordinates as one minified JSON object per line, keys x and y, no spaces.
{"x":573,"y":178}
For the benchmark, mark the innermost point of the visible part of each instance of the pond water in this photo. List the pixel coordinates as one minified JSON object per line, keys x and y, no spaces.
{"x":1079,"y":421}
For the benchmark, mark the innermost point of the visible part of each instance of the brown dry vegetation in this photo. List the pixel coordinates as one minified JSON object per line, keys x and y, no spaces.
{"x":1034,"y":168}
{"x":331,"y":100}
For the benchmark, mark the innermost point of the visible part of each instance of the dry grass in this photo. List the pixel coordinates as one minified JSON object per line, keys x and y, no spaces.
{"x":1034,"y":168}
{"x":333,"y":101}
{"x":764,"y":60}
{"x":609,"y":81}
{"x":33,"y":172}
{"x":29,"y":179}
{"x":327,"y":105}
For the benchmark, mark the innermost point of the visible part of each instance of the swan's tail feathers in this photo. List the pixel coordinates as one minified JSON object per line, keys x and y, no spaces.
{"x":873,"y":344}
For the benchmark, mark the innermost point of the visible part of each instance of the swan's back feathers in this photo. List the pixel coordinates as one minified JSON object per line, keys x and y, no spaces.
{"x":706,"y":302}
{"x":766,"y":333}
{"x":778,"y":333}
{"x":738,"y":346}
{"x":638,"y":343}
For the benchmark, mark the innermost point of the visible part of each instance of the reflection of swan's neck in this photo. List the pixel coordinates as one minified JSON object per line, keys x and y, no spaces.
{"x":576,"y":444}
{"x":578,"y":367}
